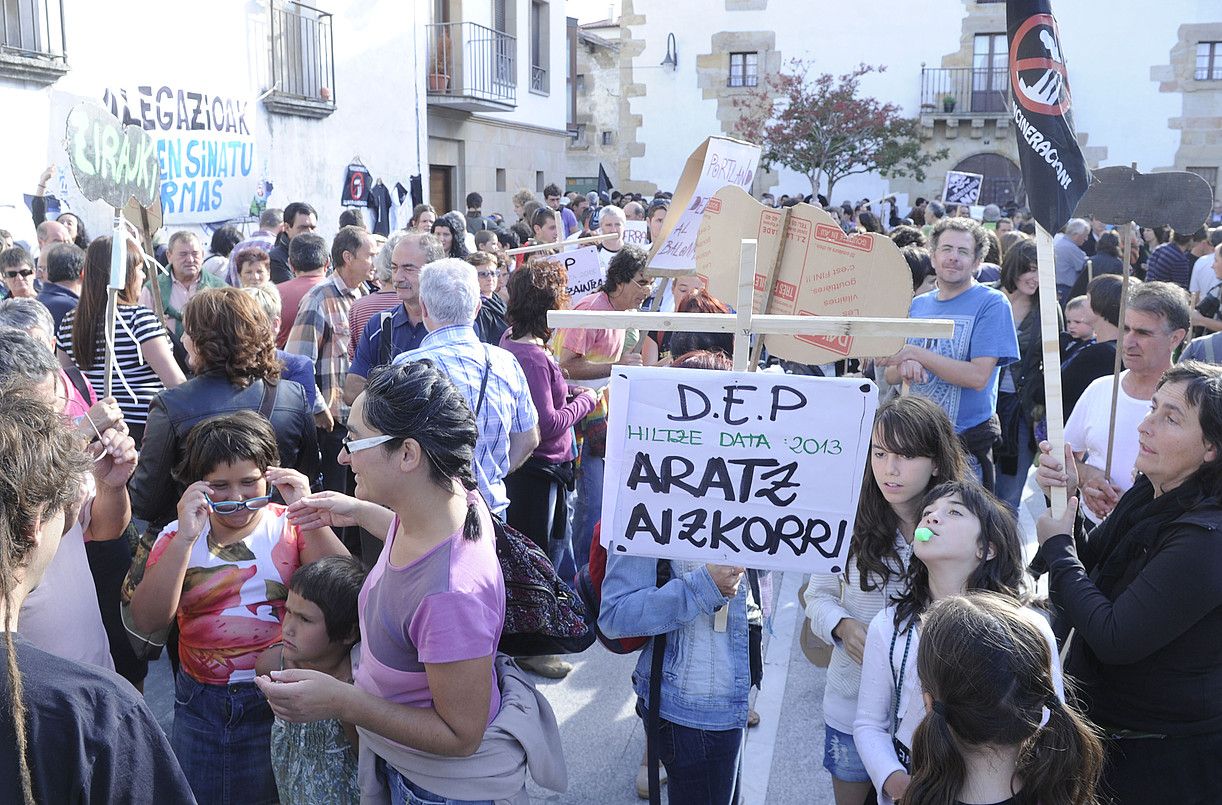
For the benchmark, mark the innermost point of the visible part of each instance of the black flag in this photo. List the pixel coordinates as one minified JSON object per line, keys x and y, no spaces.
{"x":604,"y":181}
{"x":1054,"y":172}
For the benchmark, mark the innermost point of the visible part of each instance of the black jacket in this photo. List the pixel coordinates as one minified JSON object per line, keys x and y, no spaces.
{"x":172,"y":414}
{"x":279,"y":256}
{"x":1145,"y":601}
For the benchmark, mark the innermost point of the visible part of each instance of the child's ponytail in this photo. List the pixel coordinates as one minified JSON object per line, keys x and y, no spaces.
{"x":938,"y":771}
{"x":1063,"y":759}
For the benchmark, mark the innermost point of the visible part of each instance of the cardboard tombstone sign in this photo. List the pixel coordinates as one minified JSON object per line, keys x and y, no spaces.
{"x":719,"y":161}
{"x":1120,"y":194}
{"x":110,"y":161}
{"x":823,"y":272}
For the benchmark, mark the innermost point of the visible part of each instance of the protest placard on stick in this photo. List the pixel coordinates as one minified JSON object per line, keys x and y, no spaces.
{"x":725,"y":467}
{"x":719,"y":161}
{"x":636,"y":233}
{"x":585,"y":275}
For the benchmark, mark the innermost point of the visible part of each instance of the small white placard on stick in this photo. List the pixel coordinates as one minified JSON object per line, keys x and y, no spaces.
{"x":636,"y":233}
{"x":585,"y":275}
{"x":733,"y":468}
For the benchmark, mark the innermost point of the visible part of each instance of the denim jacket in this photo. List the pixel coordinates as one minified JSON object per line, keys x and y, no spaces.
{"x":706,"y":675}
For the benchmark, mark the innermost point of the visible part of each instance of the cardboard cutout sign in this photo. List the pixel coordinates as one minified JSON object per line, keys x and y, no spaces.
{"x":1120,"y":194}
{"x":585,"y":275}
{"x":719,"y":161}
{"x":823,"y":272}
{"x":111,"y":161}
{"x":962,"y":187}
{"x":730,"y":467}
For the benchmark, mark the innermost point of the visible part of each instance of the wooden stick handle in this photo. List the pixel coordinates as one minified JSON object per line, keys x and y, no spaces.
{"x":1050,"y":338}
{"x":1116,"y":366}
{"x":564,"y":244}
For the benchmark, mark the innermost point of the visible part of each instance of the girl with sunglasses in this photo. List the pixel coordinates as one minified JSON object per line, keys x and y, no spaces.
{"x":223,"y":568}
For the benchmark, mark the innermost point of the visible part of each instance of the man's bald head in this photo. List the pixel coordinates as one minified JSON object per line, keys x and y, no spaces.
{"x":51,"y":232}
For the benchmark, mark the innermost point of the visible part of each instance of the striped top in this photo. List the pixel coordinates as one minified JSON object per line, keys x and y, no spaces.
{"x":128,"y":361}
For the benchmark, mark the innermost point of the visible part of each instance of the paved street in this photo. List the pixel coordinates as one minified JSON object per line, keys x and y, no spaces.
{"x":604,"y":740}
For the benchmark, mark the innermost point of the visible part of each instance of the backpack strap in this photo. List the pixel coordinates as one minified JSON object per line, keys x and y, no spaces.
{"x":385,"y":344}
{"x":483,"y":383}
{"x":268,"y":403}
{"x":77,"y":379}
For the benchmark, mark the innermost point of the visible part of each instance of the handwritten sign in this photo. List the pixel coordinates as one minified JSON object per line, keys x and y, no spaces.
{"x":110,"y":161}
{"x":205,"y":147}
{"x":719,"y":161}
{"x":823,"y":272}
{"x":585,"y":275}
{"x":731,"y":467}
{"x":636,"y":233}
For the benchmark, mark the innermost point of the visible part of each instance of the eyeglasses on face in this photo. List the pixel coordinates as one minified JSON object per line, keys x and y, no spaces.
{"x":485,"y":275}
{"x":234,"y":506}
{"x":15,"y":273}
{"x":357,"y":445}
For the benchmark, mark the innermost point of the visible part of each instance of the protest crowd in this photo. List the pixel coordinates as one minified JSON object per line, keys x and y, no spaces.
{"x":325,"y":468}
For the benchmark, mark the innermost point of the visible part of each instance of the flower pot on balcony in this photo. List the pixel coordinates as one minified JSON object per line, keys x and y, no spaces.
{"x":438,"y":82}
{"x":948,"y":103}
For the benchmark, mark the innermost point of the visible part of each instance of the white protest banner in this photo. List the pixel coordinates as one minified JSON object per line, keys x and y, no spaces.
{"x":636,"y":233}
{"x":961,"y":187}
{"x":205,"y":145}
{"x":719,"y":161}
{"x":734,"y":468}
{"x":585,"y":275}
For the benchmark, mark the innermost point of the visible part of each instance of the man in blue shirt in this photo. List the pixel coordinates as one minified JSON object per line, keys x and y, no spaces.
{"x":401,"y":328}
{"x":489,"y":377}
{"x":64,"y":263}
{"x":960,"y":373}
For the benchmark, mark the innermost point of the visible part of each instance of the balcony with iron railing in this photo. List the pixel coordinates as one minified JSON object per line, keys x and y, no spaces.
{"x":302,"y":61}
{"x":961,"y":92}
{"x":471,"y":67}
{"x":32,"y":40}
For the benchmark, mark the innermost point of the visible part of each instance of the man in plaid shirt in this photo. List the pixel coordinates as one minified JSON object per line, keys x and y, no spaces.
{"x":321,"y":333}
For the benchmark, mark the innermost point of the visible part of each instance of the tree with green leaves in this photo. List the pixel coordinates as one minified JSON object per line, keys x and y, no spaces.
{"x":821,"y":127}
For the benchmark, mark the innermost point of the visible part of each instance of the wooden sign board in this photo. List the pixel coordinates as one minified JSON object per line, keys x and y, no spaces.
{"x":719,"y":161}
{"x":730,"y":468}
{"x":111,"y":161}
{"x":1120,"y":194}
{"x":823,"y":272}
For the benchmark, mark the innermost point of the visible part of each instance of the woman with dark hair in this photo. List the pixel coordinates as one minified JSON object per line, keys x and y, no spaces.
{"x":144,"y":360}
{"x":70,"y":220}
{"x":423,"y":216}
{"x":1020,"y":391}
{"x":232,"y":351}
{"x":427,"y":690}
{"x":224,"y":239}
{"x":967,"y":540}
{"x":997,"y":731}
{"x":869,"y":222}
{"x":1141,"y":594}
{"x":680,"y":342}
{"x":538,"y":500}
{"x":912,"y":449}
{"x":453,"y":236}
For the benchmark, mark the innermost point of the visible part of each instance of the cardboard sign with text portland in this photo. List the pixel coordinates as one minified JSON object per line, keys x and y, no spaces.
{"x":733,"y":468}
{"x":719,"y":161}
{"x":823,"y":272}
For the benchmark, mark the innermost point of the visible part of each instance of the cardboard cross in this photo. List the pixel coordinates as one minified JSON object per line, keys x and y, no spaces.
{"x":744,"y":324}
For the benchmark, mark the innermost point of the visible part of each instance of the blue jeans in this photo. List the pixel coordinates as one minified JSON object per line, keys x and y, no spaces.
{"x":222,"y":738}
{"x":587,"y":509}
{"x":701,"y":765}
{"x":1010,"y":487}
{"x":840,"y":757}
{"x":404,"y":792}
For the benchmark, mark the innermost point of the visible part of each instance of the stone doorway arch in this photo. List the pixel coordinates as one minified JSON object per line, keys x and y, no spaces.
{"x":1003,"y":181}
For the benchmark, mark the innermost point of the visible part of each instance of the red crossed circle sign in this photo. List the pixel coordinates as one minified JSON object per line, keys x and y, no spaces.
{"x":1026,"y":40}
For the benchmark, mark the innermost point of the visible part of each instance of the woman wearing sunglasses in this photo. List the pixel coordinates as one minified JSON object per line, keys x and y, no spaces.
{"x":223,"y":569}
